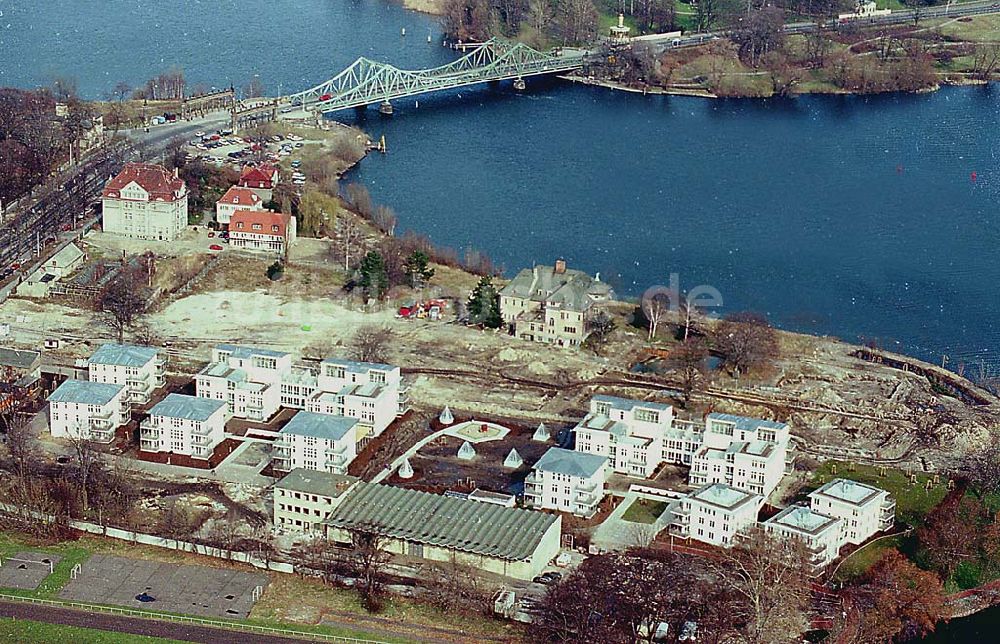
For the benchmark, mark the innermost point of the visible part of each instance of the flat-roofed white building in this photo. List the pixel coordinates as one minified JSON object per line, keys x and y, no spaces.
{"x":865,"y":509}
{"x":303,"y":499}
{"x":187,"y":425}
{"x":88,"y":410}
{"x":140,"y":369}
{"x":715,"y":514}
{"x":370,"y":392}
{"x":248,"y":379}
{"x":747,"y":453}
{"x":821,"y":534}
{"x":567,"y":481}
{"x":629,"y":433}
{"x":320,"y":442}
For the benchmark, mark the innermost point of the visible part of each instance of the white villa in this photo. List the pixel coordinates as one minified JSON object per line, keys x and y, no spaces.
{"x":715,"y":514}
{"x":746,"y":453}
{"x":145,"y":201}
{"x":865,"y":509}
{"x":247,"y":379}
{"x":319,"y":442}
{"x":88,"y":410}
{"x":567,"y":481}
{"x":186,"y":425}
{"x":140,"y":369}
{"x":821,"y":534}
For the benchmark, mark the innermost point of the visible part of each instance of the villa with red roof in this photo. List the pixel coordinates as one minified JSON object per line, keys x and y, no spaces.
{"x":236,"y":198}
{"x":145,"y":201}
{"x":261,"y":230}
{"x":261,"y":178}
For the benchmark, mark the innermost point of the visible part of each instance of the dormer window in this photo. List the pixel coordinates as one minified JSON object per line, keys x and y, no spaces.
{"x":274,"y":228}
{"x":256,"y":226}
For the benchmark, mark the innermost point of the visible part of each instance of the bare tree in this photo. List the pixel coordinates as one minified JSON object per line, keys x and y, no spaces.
{"x":368,"y":563}
{"x":453,"y":586}
{"x":689,"y":360}
{"x":120,"y":304}
{"x":20,"y":447}
{"x":371,"y":344}
{"x":769,"y":576}
{"x":86,"y":461}
{"x":983,"y":468}
{"x":986,"y":60}
{"x":747,"y":341}
{"x":349,"y":237}
{"x":655,"y":307}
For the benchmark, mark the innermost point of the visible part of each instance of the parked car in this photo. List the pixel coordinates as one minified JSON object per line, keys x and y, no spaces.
{"x":548,"y":578}
{"x":215,"y":247}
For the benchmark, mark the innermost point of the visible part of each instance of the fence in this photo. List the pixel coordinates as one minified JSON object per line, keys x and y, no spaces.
{"x":185,"y":619}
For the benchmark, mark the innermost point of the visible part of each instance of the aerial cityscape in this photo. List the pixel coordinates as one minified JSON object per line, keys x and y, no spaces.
{"x":464,"y":321}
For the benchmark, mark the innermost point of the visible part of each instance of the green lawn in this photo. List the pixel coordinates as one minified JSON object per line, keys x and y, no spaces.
{"x":644,"y":511}
{"x":21,"y":630}
{"x":865,"y":557}
{"x":913,"y":502}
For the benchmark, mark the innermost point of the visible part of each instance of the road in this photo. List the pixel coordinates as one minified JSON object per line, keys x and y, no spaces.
{"x":136,"y":625}
{"x":159,"y":137}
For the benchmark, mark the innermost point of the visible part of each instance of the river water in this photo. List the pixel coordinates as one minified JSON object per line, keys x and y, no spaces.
{"x":866,"y":218}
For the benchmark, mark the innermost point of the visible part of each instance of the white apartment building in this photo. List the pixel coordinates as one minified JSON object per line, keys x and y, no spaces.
{"x":140,"y":369}
{"x":319,"y":442}
{"x":186,"y":425}
{"x":567,"y":481}
{"x":145,"y":201}
{"x":246,"y":378}
{"x":865,"y":509}
{"x":88,"y":410}
{"x":370,"y":392}
{"x":630,"y":433}
{"x":236,"y":198}
{"x":715,"y":514}
{"x":821,"y":534}
{"x":746,"y":453}
{"x":304,"y":499}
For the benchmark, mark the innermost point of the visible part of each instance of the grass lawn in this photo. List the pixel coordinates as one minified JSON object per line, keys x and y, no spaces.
{"x":859,"y":561}
{"x":913,"y":502}
{"x":979,"y":29}
{"x":21,"y":630}
{"x":644,"y":511}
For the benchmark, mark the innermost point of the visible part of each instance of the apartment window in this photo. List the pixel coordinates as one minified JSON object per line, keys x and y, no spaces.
{"x":256,"y":227}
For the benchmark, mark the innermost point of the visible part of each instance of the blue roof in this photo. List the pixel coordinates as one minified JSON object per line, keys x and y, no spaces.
{"x":325,"y":426}
{"x":248,"y":352}
{"x":627,"y":404}
{"x":85,"y":392}
{"x":566,"y":461}
{"x":123,"y":355}
{"x":358,"y":367}
{"x":746,"y":424}
{"x":186,"y":407}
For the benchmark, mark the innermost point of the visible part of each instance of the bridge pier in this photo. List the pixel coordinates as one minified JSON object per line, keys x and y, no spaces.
{"x":385,"y":108}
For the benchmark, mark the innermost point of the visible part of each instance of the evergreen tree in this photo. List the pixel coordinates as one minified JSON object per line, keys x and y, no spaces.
{"x":417,"y":268}
{"x":484,"y":304}
{"x":374,"y":278}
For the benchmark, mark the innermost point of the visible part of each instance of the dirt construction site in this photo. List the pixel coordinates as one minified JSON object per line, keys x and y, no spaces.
{"x":840,"y":401}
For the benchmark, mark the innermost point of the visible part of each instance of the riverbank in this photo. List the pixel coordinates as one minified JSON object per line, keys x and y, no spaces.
{"x":430,"y":7}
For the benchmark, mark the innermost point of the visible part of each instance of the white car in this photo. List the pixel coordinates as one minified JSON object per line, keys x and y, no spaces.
{"x":199,"y":134}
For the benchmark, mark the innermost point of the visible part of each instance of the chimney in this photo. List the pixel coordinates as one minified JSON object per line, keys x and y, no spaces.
{"x":560,"y":267}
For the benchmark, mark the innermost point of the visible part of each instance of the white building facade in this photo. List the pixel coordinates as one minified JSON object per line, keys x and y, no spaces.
{"x":145,"y":201}
{"x":81,"y":409}
{"x":318,"y":442}
{"x":865,"y":509}
{"x":186,"y":425}
{"x":303,"y":499}
{"x":820,"y":534}
{"x":140,"y":369}
{"x":567,"y":481}
{"x":248,"y":379}
{"x":747,"y":453}
{"x":630,"y":433}
{"x":372,"y":393}
{"x":715,"y":514}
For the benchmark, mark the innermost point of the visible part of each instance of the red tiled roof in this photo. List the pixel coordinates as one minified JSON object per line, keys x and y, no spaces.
{"x":263,"y":175}
{"x":243,"y":221}
{"x":239,"y":196}
{"x":159,"y":182}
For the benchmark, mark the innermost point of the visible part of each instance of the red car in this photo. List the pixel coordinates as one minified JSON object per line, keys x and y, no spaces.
{"x":215,"y":247}
{"x":211,"y":234}
{"x":325,"y":97}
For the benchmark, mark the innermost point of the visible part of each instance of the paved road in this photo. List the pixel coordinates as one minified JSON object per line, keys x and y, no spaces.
{"x":135,"y":625}
{"x":159,"y":137}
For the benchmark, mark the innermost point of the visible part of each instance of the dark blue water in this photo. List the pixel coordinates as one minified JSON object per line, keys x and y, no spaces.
{"x":980,"y":627}
{"x":839,"y":215}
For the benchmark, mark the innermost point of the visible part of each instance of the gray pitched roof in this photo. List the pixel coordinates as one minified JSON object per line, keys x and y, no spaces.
{"x":186,"y":407}
{"x":313,"y":482}
{"x":123,"y":355}
{"x":66,"y":256}
{"x":326,"y":426}
{"x":573,"y":289}
{"x":566,"y":461}
{"x":460,"y":524}
{"x":85,"y":392}
{"x":18,"y":359}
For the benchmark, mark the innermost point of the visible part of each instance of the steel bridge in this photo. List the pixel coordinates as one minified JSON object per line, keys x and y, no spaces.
{"x":367,"y":82}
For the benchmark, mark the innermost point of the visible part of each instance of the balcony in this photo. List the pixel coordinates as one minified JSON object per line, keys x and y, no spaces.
{"x":102,"y":434}
{"x":149,"y":445}
{"x":201,"y":429}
